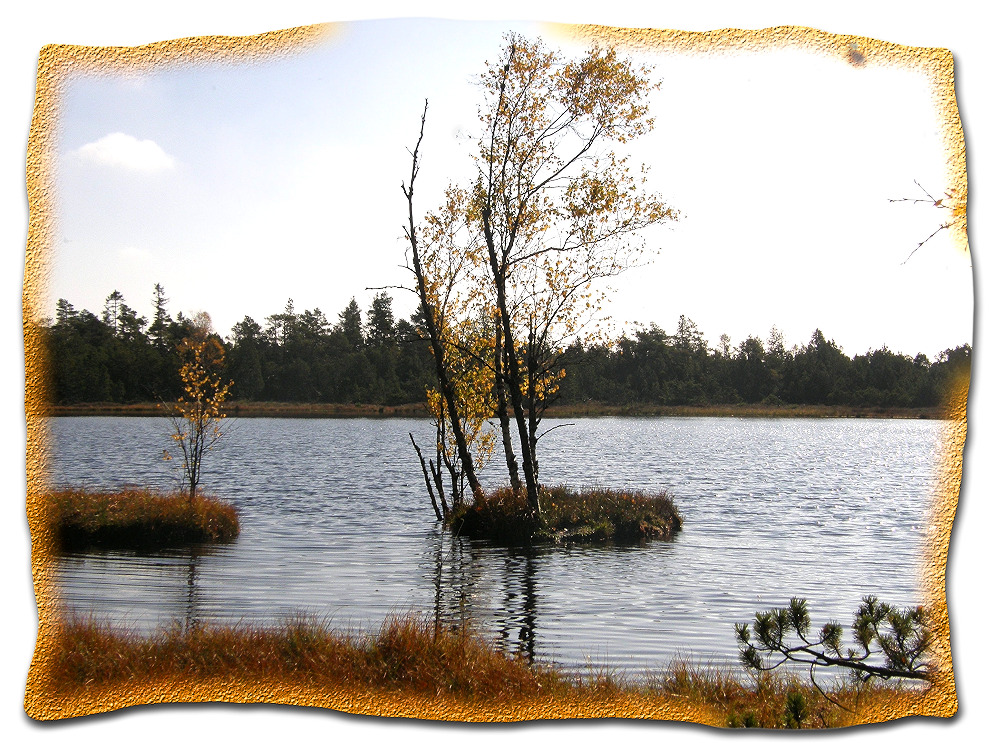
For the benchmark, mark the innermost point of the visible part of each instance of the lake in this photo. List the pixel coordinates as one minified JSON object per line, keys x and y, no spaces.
{"x":336,"y":522}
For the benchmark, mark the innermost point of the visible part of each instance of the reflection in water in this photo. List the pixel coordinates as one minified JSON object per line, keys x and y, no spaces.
{"x":192,"y":615}
{"x":520,"y":603}
{"x":527,"y":633}
{"x":459,"y":578}
{"x":145,"y":589}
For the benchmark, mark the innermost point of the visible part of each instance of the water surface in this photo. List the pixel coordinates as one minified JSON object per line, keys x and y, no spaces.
{"x":335,"y":522}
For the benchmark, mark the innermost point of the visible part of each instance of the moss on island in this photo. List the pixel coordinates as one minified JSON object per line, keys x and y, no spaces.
{"x":139,"y":519}
{"x":568,"y":515}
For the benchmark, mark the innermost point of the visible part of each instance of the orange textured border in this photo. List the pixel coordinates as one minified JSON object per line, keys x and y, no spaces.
{"x":58,"y":62}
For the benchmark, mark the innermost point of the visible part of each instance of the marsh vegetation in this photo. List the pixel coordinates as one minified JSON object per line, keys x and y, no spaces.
{"x":139,"y":519}
{"x":421,"y":659}
{"x":569,"y":515}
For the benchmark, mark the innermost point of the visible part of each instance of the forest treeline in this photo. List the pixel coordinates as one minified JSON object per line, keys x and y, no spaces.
{"x":373,"y":358}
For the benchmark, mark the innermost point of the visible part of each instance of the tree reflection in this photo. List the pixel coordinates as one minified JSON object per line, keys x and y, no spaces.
{"x":193,"y":602}
{"x":469,"y":593}
{"x":520,"y":603}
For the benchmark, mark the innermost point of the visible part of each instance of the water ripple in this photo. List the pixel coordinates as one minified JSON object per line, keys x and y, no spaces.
{"x":335,"y":523}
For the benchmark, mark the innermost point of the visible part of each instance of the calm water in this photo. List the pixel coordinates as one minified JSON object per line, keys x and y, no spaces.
{"x":335,"y":522}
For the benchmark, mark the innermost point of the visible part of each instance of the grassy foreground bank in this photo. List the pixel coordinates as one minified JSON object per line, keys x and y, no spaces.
{"x":569,"y":515}
{"x":409,"y":660}
{"x":139,"y":519}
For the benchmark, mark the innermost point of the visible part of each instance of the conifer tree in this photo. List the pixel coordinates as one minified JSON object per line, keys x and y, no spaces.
{"x":890,"y":643}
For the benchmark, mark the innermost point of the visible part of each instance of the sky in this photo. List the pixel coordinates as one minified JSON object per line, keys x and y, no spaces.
{"x":240,"y":186}
{"x":952,"y":24}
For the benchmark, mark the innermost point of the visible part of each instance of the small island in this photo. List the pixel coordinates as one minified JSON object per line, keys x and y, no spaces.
{"x":139,"y":519}
{"x":142,"y":519}
{"x":597,"y":515}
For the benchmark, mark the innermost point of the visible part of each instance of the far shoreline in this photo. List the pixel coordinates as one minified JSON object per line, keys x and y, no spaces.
{"x":248,"y":409}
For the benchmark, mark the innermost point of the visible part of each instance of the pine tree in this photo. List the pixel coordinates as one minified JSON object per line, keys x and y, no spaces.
{"x":349,"y":323}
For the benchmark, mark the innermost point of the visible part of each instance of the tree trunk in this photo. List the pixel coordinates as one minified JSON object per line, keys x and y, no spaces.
{"x":512,"y":368}
{"x":502,"y":410}
{"x":532,"y":366}
{"x":436,"y":344}
{"x":426,"y":476}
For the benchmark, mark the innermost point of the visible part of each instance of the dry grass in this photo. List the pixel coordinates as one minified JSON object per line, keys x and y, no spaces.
{"x":764,"y":701}
{"x":139,"y":519}
{"x":407,"y":655}
{"x":569,"y":515}
{"x":740,"y":410}
{"x":416,"y":657}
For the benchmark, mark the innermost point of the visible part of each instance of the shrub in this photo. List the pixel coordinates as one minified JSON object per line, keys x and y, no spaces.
{"x":795,"y":710}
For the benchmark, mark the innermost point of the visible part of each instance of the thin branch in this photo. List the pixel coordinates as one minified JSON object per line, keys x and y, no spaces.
{"x":554,"y":428}
{"x":836,"y":702}
{"x":945,"y":226}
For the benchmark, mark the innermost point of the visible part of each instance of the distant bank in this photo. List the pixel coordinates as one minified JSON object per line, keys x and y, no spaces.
{"x":248,"y":409}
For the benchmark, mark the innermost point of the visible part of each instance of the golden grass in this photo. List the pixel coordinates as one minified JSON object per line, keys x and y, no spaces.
{"x":139,"y":519}
{"x":406,"y":654}
{"x":411,"y":656}
{"x":252,"y":409}
{"x":739,"y":410}
{"x":570,"y":515}
{"x":762,"y":700}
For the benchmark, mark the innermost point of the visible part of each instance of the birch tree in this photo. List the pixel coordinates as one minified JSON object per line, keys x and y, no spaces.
{"x":552,"y":210}
{"x":437,"y":269}
{"x":197,"y":418}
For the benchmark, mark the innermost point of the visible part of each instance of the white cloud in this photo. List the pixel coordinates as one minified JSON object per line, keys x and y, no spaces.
{"x":124,"y":151}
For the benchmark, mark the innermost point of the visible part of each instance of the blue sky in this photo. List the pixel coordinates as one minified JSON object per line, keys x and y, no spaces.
{"x":240,"y":186}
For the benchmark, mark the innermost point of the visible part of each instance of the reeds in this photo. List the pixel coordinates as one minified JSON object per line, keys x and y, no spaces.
{"x":254,"y":409}
{"x":139,"y":519}
{"x":738,"y":410}
{"x":570,"y":515}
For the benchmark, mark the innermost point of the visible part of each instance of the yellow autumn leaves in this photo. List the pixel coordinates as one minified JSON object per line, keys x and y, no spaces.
{"x":197,"y":416}
{"x":506,"y":267}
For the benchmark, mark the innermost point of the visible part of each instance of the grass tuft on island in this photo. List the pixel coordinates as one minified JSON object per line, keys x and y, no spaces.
{"x":569,"y":515}
{"x":139,"y":519}
{"x":447,"y":666}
